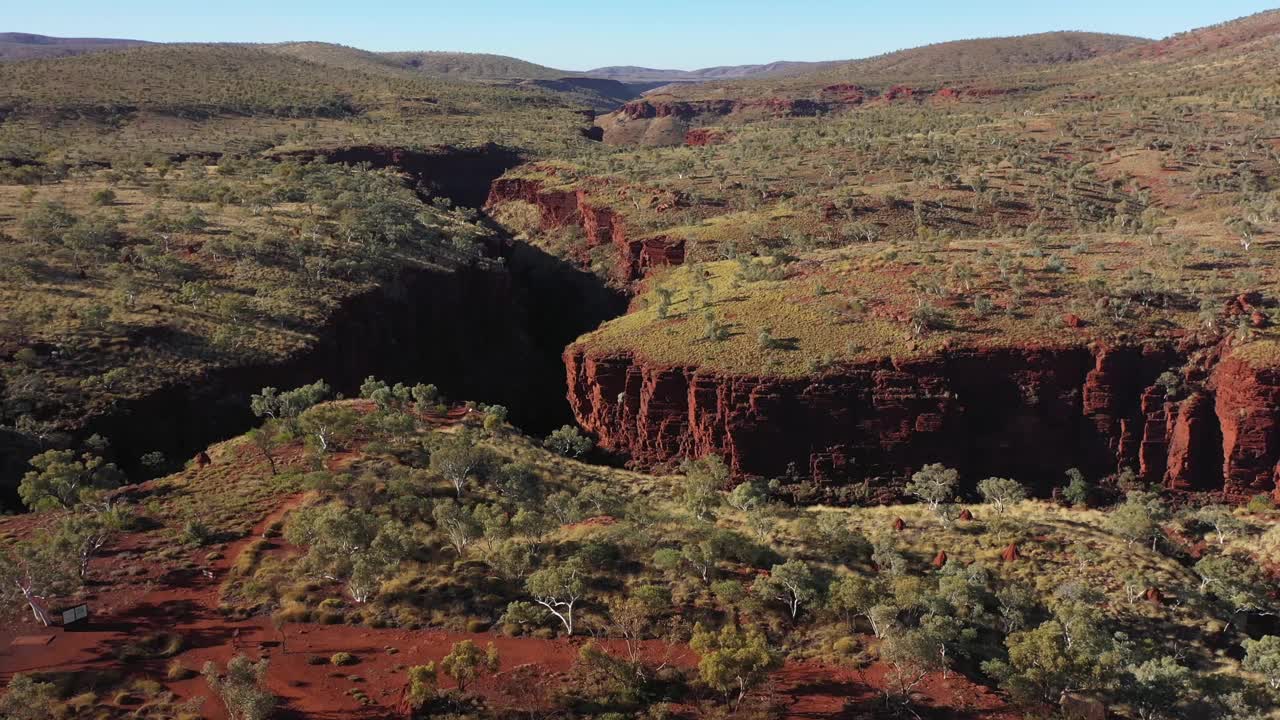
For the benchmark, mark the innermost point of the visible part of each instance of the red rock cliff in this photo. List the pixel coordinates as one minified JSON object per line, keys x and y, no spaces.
{"x":1247,"y":407}
{"x":601,"y":225}
{"x":1029,"y":413}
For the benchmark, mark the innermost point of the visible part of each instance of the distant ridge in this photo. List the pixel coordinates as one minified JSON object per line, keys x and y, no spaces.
{"x":29,"y":46}
{"x":1234,"y":33}
{"x":990,"y":55}
{"x":473,"y":66}
{"x":781,"y":68}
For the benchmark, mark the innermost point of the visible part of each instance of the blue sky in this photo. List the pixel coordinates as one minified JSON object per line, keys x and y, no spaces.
{"x":577,"y":34}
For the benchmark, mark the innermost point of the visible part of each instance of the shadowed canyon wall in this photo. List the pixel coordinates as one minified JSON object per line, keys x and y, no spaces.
{"x":493,"y":332}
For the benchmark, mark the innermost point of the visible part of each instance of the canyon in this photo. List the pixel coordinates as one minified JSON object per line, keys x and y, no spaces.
{"x":499,"y":333}
{"x":491,"y":332}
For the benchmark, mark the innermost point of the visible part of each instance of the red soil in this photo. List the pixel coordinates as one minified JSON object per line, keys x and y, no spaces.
{"x":186,"y":602}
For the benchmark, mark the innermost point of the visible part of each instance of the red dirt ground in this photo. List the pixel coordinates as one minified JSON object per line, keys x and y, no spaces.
{"x":185,"y":602}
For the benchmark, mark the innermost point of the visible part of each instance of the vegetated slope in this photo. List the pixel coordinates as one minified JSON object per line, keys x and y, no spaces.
{"x":965,"y":69}
{"x":195,"y":79}
{"x":341,"y":56}
{"x":121,"y":284}
{"x":88,"y":148}
{"x":980,"y":60}
{"x":952,"y":59}
{"x":27,"y":46}
{"x":183,"y":99}
{"x":472,"y":66}
{"x":1209,"y":39}
{"x":596,"y":93}
{"x":986,"y":56}
{"x":253,"y":548}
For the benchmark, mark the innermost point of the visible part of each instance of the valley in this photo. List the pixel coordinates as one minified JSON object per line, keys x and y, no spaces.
{"x":344,"y":383}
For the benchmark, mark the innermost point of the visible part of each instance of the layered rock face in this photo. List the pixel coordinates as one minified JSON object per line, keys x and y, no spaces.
{"x":1246,"y":404}
{"x":636,"y":256}
{"x":1027,"y":413}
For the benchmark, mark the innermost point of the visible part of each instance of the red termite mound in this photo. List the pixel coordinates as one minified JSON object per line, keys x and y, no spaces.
{"x":601,"y":225}
{"x":1011,"y":554}
{"x":1023,"y":412}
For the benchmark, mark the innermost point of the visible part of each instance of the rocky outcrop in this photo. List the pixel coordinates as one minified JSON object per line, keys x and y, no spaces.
{"x":845,"y":93}
{"x":635,"y":256}
{"x":1247,"y":408}
{"x":649,"y":109}
{"x":1194,"y":457}
{"x":1029,"y":413}
{"x":663,"y":121}
{"x":702,"y":137}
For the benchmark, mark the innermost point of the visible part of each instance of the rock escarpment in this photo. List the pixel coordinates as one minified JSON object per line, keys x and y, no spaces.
{"x":1028,"y":413}
{"x":669,"y":121}
{"x":636,"y":255}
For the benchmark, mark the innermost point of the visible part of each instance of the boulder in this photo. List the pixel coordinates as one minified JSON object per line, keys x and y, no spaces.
{"x":1082,"y":707}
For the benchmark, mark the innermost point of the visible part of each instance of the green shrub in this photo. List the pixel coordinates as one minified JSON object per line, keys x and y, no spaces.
{"x":847,"y":646}
{"x":1260,"y":503}
{"x":195,"y":532}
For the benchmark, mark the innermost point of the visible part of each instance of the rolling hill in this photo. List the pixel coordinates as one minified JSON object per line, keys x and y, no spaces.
{"x":341,"y":56}
{"x":959,"y":60}
{"x":27,"y":46}
{"x":473,"y":66}
{"x":1232,"y":34}
{"x":988,"y":55}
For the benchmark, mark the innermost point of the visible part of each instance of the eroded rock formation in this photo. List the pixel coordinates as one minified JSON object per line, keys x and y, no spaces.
{"x":1029,"y":413}
{"x":636,"y":255}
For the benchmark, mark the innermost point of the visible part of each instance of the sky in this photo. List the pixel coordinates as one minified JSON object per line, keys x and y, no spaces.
{"x":579,"y":35}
